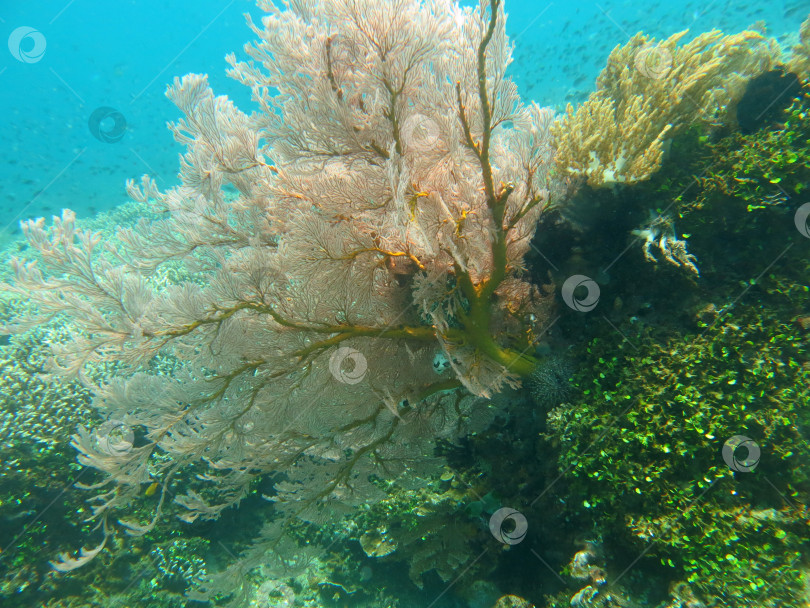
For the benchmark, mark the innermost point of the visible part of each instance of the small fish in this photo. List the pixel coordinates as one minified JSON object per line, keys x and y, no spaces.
{"x":150,"y":491}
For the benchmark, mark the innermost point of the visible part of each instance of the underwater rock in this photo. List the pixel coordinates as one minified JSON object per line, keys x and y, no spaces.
{"x":765,"y":98}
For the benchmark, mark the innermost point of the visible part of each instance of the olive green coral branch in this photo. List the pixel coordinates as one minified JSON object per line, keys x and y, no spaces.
{"x":477,"y":321}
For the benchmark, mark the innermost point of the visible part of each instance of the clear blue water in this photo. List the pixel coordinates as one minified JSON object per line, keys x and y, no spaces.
{"x":124,"y":55}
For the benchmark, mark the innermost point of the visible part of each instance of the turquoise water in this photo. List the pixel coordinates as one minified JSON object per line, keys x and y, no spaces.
{"x":125,"y":58}
{"x":291,"y":385}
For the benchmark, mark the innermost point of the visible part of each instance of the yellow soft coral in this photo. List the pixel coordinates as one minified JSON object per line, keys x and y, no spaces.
{"x":799,"y":62}
{"x":647,"y":92}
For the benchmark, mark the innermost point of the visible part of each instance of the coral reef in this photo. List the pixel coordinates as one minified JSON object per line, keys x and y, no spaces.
{"x":650,"y":91}
{"x":761,"y":169}
{"x":37,"y":415}
{"x":657,"y":469}
{"x":342,"y":342}
{"x":667,"y":391}
{"x":301,"y":318}
{"x":430,"y":529}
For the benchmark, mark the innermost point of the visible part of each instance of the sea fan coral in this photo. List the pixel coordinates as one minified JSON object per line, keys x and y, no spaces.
{"x":385,"y":193}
